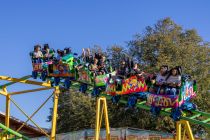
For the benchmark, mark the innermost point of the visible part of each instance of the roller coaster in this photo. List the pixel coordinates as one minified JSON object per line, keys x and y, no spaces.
{"x":132,"y":89}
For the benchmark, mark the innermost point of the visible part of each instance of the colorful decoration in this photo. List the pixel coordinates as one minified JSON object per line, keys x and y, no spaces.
{"x":164,"y":101}
{"x":84,"y":76}
{"x":60,"y":70}
{"x":130,"y":85}
{"x":101,"y":80}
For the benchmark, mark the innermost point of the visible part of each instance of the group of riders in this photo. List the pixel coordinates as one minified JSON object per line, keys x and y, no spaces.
{"x":166,"y":82}
{"x":46,"y":54}
{"x":97,"y":62}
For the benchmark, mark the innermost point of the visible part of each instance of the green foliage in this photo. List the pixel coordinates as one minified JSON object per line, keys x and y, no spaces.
{"x":116,"y":54}
{"x":167,"y":43}
{"x":76,"y":111}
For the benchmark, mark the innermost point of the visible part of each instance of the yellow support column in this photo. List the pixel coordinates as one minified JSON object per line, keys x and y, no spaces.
{"x":99,"y":116}
{"x":7,"y":108}
{"x":187,"y":130}
{"x":108,"y":136}
{"x":54,"y":115}
{"x":7,"y":115}
{"x":98,"y":109}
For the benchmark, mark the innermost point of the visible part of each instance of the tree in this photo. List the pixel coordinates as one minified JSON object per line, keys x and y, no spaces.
{"x":116,"y":54}
{"x":169,"y":44}
{"x":76,"y":111}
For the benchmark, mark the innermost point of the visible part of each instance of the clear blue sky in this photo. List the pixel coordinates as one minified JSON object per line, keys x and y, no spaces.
{"x":79,"y":24}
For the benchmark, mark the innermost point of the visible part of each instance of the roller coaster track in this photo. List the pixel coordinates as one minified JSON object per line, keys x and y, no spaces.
{"x":195,"y":117}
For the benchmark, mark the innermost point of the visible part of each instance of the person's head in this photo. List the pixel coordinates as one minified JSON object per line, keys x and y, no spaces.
{"x":37,"y":48}
{"x":60,"y":52}
{"x":174,"y":72}
{"x":95,"y":60}
{"x":46,"y":47}
{"x":163,"y":69}
{"x":67,"y":50}
{"x":103,"y":58}
{"x":123,"y":64}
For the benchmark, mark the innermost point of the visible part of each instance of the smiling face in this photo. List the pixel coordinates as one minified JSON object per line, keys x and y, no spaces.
{"x":103,"y":59}
{"x":163,"y":70}
{"x":174,"y":72}
{"x":37,"y":48}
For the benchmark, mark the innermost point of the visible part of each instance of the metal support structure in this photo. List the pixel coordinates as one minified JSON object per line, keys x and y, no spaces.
{"x":24,"y":80}
{"x":55,"y":110}
{"x":34,"y":113}
{"x":7,"y":108}
{"x":29,"y":91}
{"x":187,"y":130}
{"x":7,"y":115}
{"x":101,"y":108}
{"x":27,"y":116}
{"x":100,"y":112}
{"x":12,"y":132}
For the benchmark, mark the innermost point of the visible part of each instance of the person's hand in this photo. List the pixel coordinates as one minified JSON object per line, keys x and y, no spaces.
{"x":172,"y":84}
{"x":152,"y":81}
{"x":179,"y":84}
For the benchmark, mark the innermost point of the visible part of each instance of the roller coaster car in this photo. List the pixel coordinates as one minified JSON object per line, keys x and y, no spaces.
{"x":127,"y":86}
{"x":84,"y":75}
{"x":39,"y":68}
{"x":101,"y":80}
{"x":63,"y":70}
{"x":186,"y":92}
{"x":177,"y":103}
{"x":59,"y":70}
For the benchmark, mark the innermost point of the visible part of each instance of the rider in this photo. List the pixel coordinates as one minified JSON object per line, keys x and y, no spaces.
{"x":122,"y":71}
{"x":60,"y":54}
{"x":37,"y":54}
{"x":121,"y":74}
{"x":87,"y":56}
{"x":160,"y":80}
{"x":102,"y":65}
{"x":48,"y":53}
{"x":136,"y":70}
{"x":67,"y":51}
{"x":94,"y":67}
{"x":173,"y":81}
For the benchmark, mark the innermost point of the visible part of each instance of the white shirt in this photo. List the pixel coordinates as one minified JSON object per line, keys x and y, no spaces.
{"x":160,"y":78}
{"x":174,"y":79}
{"x":38,"y":54}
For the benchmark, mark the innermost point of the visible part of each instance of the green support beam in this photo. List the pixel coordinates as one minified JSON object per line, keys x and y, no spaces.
{"x":12,"y":132}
